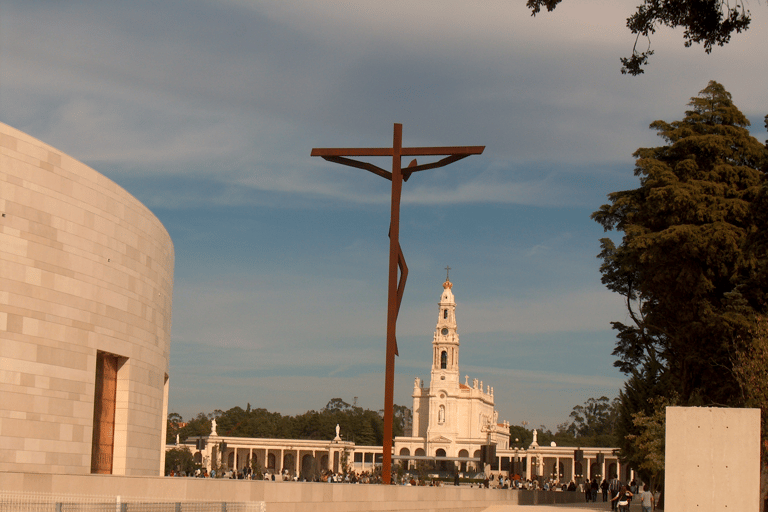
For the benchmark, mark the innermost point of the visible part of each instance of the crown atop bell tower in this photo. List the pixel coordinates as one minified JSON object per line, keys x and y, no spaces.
{"x":447,"y":296}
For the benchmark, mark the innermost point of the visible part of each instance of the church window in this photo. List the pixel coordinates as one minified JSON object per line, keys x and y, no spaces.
{"x":444,"y":360}
{"x":445,"y":313}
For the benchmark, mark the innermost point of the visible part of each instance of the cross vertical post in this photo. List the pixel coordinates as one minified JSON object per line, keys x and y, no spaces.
{"x":392,"y":303}
{"x":395,"y":286}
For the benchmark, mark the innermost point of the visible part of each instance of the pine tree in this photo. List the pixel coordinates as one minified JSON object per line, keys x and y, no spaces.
{"x":681,"y":264}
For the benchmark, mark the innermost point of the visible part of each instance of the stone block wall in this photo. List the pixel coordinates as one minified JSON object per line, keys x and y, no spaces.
{"x":84,"y":268}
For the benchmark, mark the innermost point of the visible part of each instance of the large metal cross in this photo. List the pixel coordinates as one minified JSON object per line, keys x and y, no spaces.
{"x":396,"y":260}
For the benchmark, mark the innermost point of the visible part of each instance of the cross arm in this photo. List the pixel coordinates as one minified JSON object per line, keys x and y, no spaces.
{"x":434,"y":165}
{"x":351,"y":152}
{"x":443,"y":150}
{"x":359,"y":165}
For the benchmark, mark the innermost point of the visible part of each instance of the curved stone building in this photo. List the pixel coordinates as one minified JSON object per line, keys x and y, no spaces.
{"x":86,"y":282}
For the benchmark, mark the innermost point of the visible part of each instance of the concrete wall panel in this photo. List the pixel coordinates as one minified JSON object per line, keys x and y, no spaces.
{"x":712,"y":459}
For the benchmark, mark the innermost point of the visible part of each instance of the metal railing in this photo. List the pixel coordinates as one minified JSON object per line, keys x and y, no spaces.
{"x":44,"y":502}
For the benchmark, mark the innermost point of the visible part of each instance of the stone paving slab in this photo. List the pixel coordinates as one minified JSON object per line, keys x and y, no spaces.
{"x":565,"y":507}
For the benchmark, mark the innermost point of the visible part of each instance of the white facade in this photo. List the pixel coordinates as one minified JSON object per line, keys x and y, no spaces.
{"x":451,"y":418}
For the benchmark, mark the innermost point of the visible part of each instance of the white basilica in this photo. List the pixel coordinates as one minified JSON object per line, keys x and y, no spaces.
{"x":450,"y":418}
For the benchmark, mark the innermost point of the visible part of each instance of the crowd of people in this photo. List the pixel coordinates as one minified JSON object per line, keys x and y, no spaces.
{"x":620,"y":495}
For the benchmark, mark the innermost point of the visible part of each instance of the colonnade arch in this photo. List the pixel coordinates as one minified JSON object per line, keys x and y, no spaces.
{"x":579,"y":470}
{"x":289,"y":463}
{"x":308,"y":467}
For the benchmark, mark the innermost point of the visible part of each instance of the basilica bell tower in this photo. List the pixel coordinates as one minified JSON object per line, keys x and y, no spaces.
{"x":445,"y":343}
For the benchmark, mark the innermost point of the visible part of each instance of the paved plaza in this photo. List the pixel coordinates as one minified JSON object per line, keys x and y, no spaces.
{"x":565,"y":507}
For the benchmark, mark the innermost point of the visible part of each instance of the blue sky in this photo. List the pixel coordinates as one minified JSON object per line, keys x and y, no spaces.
{"x":207,"y":112}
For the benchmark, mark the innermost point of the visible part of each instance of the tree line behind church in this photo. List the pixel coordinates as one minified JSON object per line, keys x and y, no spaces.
{"x":591,"y":424}
{"x":362,"y":426}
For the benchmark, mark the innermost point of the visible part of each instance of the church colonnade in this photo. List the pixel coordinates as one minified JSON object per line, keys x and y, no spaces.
{"x":539,"y":462}
{"x":563,"y":466}
{"x":299,"y":458}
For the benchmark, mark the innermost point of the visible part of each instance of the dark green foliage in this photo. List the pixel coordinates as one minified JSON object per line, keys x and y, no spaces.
{"x":592,"y":424}
{"x":707,"y":22}
{"x":684,"y":265}
{"x":172,"y":427}
{"x":522,"y":434}
{"x":595,"y":421}
{"x":198,"y":426}
{"x":757,"y":244}
{"x":179,"y":460}
{"x":681,"y":260}
{"x":362,"y":426}
{"x":640,"y":390}
{"x":750,"y":367}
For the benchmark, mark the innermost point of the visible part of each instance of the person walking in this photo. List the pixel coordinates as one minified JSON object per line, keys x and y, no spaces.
{"x":604,"y":488}
{"x":622,"y":499}
{"x":646,"y":499}
{"x":614,"y":488}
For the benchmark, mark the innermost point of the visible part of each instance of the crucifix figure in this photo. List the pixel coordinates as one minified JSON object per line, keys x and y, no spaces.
{"x":396,"y":260}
